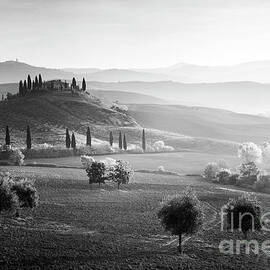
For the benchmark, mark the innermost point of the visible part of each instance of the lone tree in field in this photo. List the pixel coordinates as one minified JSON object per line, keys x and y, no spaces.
{"x":181,"y":214}
{"x":88,"y":137}
{"x":28,"y":138}
{"x":96,"y":173}
{"x":243,"y":214}
{"x":121,"y":172}
{"x":67,"y":139}
{"x":29,"y":83}
{"x":120,"y":141}
{"x":143,"y":141}
{"x":125,"y":142}
{"x":7,"y":140}
{"x":73,"y":141}
{"x":111,"y":138}
{"x":83,"y":85}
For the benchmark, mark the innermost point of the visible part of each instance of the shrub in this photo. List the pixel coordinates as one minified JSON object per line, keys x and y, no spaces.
{"x":26,"y":192}
{"x":16,"y":157}
{"x":16,"y":193}
{"x":8,"y":199}
{"x":248,"y":174}
{"x":181,"y":214}
{"x":243,"y":213}
{"x":121,"y":172}
{"x":210,"y":171}
{"x":160,"y":146}
{"x":96,"y":173}
{"x":262,"y":183}
{"x":233,"y":178}
{"x":223,"y":176}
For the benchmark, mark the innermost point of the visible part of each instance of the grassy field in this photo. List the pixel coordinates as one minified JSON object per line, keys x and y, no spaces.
{"x":181,"y":162}
{"x":78,"y":226}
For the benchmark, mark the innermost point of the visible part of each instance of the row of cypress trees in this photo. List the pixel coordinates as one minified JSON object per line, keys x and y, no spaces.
{"x":122,"y":140}
{"x":28,"y":137}
{"x":71,"y":141}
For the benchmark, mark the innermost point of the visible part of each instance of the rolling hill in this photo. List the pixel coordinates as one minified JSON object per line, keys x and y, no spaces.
{"x":202,"y":122}
{"x":244,"y":97}
{"x":11,"y":71}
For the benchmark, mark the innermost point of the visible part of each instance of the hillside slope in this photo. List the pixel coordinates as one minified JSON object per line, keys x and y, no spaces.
{"x":50,"y":113}
{"x":202,"y":122}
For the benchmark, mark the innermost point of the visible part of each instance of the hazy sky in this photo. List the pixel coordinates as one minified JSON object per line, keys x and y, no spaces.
{"x":134,"y":33}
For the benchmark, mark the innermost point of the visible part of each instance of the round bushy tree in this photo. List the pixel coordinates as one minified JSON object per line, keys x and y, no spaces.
{"x":96,"y":172}
{"x":8,"y":199}
{"x":121,"y":172}
{"x":181,"y":214}
{"x":243,"y":213}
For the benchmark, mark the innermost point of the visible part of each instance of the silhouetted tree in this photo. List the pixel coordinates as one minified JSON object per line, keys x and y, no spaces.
{"x":120,"y":142}
{"x":40,"y":81}
{"x":7,"y":136}
{"x":73,"y":141}
{"x":181,"y":215}
{"x":24,"y":87}
{"x":34,"y":86}
{"x":88,"y":137}
{"x":21,"y":90}
{"x":73,"y":84}
{"x":29,"y":83}
{"x":28,"y":138}
{"x":111,"y":138}
{"x":36,"y":82}
{"x":83,"y":85}
{"x":143,"y":141}
{"x":125,"y":142}
{"x":67,"y":139}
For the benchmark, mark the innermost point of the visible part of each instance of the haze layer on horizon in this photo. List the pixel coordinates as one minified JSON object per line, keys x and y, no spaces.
{"x":134,"y":33}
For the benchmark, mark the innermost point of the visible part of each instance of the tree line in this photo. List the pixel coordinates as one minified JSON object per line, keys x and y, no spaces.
{"x":30,"y":85}
{"x":70,"y":141}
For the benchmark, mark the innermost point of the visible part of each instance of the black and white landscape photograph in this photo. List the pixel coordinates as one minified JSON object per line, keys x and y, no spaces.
{"x":135,"y":134}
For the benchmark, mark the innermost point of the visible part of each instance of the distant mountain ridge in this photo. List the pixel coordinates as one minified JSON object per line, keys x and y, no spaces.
{"x":257,"y":71}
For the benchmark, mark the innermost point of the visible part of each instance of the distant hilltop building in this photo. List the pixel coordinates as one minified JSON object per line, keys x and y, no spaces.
{"x":56,"y":85}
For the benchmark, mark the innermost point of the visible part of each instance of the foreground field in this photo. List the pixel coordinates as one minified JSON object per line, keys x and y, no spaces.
{"x":78,"y":226}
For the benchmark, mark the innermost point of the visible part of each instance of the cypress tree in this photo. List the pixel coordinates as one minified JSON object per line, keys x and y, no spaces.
{"x":24,"y":87}
{"x":67,"y":139}
{"x":125,"y":142}
{"x":111,"y":138}
{"x":36,"y":82}
{"x":120,"y":142}
{"x":34,"y":86}
{"x":88,"y":137}
{"x":29,"y":83}
{"x":21,"y":88}
{"x":40,"y":81}
{"x":83,"y":85}
{"x":28,"y":138}
{"x":73,"y":141}
{"x":143,"y":141}
{"x":7,"y":136}
{"x":73,"y":84}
